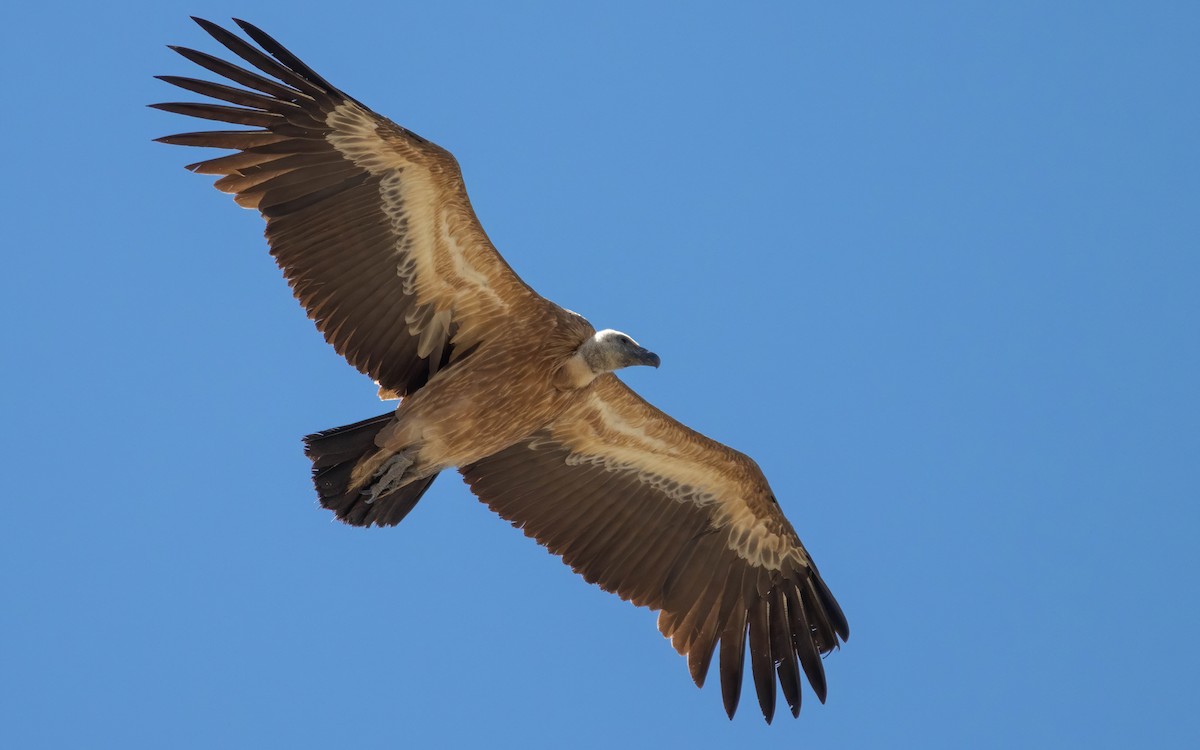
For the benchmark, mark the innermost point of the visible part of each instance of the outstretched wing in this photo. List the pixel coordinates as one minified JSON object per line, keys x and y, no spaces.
{"x":671,"y":520}
{"x":370,"y":223}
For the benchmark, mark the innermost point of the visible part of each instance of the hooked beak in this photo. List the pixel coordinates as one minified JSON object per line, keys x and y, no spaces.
{"x":647,"y":357}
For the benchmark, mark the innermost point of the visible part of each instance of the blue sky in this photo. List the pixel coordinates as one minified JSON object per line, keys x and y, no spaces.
{"x":933,"y":265}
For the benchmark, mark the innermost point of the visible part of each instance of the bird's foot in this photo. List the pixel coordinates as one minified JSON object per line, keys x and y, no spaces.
{"x":389,"y":477}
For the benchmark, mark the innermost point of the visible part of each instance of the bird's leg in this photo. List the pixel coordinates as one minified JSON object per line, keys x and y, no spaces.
{"x":390,"y":476}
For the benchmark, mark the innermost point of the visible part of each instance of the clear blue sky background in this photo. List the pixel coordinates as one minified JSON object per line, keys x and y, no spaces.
{"x":934,"y":265}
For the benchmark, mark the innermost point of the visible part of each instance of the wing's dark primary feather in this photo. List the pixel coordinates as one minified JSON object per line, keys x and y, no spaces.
{"x":658,"y":552}
{"x":371,"y":266}
{"x":330,"y":231}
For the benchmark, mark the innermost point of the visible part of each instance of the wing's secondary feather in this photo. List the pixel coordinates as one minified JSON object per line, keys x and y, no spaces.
{"x":375,"y":234}
{"x":370,"y":223}
{"x":669,"y":519}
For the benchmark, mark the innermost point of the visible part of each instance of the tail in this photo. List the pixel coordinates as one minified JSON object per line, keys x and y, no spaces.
{"x":335,"y":453}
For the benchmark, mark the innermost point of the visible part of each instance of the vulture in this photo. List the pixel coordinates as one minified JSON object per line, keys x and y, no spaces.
{"x":374,"y":232}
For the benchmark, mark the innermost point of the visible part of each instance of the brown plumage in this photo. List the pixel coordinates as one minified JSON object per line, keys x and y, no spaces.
{"x":373,"y":229}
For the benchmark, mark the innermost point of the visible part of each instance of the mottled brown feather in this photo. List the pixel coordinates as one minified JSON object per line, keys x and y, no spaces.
{"x":375,"y":234}
{"x":704,"y":641}
{"x":340,"y":242}
{"x":704,"y":607}
{"x":223,"y":165}
{"x":617,"y":526}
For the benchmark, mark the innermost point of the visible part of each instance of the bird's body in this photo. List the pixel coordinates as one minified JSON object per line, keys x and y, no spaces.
{"x":373,"y":229}
{"x":498,"y":395}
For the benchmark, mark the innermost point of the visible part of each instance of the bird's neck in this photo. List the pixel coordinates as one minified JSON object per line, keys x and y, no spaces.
{"x":574,"y":373}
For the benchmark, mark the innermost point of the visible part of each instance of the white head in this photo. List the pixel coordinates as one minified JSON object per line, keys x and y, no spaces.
{"x":610,"y":350}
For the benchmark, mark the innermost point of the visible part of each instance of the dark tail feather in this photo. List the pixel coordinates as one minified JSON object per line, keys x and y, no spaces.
{"x":335,"y":453}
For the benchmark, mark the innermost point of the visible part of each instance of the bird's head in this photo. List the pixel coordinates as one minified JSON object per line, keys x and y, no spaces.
{"x":610,"y":350}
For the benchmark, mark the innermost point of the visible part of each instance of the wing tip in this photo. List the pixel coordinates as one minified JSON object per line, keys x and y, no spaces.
{"x":698,"y":675}
{"x":214,"y":30}
{"x":246,"y":26}
{"x":817,"y":682}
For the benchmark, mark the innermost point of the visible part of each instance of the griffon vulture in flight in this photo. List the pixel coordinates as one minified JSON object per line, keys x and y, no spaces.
{"x":373,"y":229}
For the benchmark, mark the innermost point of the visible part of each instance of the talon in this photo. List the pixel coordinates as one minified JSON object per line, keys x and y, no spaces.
{"x":388,"y":478}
